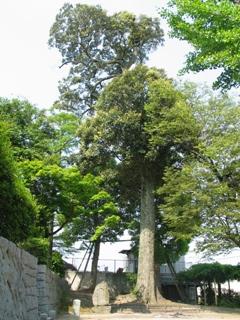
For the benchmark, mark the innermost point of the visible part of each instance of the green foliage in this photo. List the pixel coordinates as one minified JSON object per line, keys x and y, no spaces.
{"x":131,"y":279}
{"x":29,"y":128}
{"x":38,"y":247}
{"x":134,"y":119}
{"x":98,"y":51}
{"x":17,"y":206}
{"x":201,"y":197}
{"x":212,"y":28}
{"x":210,"y":272}
{"x":57,"y":264}
{"x":97,"y":216}
{"x":36,"y":134}
{"x":230,"y":301}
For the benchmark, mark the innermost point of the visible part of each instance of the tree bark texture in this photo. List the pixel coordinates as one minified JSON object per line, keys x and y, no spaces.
{"x":146,"y":286}
{"x":94,"y":266}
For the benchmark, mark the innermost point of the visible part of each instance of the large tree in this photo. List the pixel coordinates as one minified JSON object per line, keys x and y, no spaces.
{"x":142,"y":121}
{"x":201,"y":198}
{"x":97,"y":47}
{"x":212,"y":28}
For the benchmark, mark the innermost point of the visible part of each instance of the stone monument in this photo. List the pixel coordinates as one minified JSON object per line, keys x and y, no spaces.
{"x":101,"y":298}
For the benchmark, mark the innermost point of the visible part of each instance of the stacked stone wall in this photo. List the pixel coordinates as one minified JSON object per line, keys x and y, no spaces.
{"x":18,"y":288}
{"x":51,"y":290}
{"x":26,"y":288}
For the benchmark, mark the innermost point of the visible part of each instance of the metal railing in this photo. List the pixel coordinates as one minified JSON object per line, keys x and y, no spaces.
{"x":113,"y":265}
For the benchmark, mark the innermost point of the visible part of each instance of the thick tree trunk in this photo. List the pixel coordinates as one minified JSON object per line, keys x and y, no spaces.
{"x":95,"y":264}
{"x":146,"y":286}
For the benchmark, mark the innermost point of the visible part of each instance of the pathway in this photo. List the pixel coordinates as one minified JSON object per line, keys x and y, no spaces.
{"x":202,"y":315}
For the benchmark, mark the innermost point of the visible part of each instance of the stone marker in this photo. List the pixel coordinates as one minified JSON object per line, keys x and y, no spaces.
{"x":52,"y":314}
{"x":43,"y":316}
{"x":101,"y":294}
{"x":76,"y":307}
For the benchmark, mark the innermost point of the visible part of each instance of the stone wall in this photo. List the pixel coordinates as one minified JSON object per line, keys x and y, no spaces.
{"x":117,"y":282}
{"x":51,"y":290}
{"x":18,"y":286}
{"x":26,"y":289}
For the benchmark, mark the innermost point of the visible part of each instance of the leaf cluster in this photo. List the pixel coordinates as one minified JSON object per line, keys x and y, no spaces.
{"x":212,"y":28}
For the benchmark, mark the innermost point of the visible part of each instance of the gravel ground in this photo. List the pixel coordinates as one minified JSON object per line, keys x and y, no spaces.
{"x":203,"y":315}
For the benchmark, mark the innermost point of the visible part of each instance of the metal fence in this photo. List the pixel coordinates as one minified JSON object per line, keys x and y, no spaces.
{"x":113,"y":265}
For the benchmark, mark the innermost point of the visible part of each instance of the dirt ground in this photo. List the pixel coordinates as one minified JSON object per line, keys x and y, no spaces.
{"x":207,"y":314}
{"x":179,"y":311}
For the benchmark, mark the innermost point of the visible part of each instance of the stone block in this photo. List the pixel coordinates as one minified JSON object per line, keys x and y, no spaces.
{"x":101,"y":294}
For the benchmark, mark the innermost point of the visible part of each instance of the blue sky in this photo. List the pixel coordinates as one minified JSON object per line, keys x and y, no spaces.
{"x":29,"y":69}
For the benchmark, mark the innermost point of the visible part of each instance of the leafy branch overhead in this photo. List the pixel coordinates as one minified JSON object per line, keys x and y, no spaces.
{"x":212,"y":28}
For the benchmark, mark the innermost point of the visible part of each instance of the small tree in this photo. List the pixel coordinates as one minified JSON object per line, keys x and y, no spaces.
{"x":97,"y":219}
{"x":209,"y":273}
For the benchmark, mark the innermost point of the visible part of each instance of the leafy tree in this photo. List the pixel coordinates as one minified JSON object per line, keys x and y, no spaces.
{"x":97,"y":219}
{"x":212,"y":28}
{"x":36,"y":134}
{"x":29,"y":132}
{"x":98,"y":47}
{"x":201,"y":197}
{"x":17,"y":207}
{"x":144,"y":122}
{"x":209,"y":273}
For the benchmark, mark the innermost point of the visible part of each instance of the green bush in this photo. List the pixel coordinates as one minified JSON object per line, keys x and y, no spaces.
{"x":131,"y":279}
{"x":38,"y":247}
{"x":57,"y":264}
{"x":230,"y":301}
{"x":17,"y":206}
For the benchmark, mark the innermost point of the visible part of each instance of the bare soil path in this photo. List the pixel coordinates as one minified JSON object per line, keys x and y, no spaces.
{"x":204,"y":314}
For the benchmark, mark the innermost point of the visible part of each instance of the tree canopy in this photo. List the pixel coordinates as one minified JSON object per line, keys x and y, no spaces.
{"x":210,"y":272}
{"x":212,"y":28}
{"x":144,"y":122}
{"x":98,"y":47}
{"x":201,"y":197}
